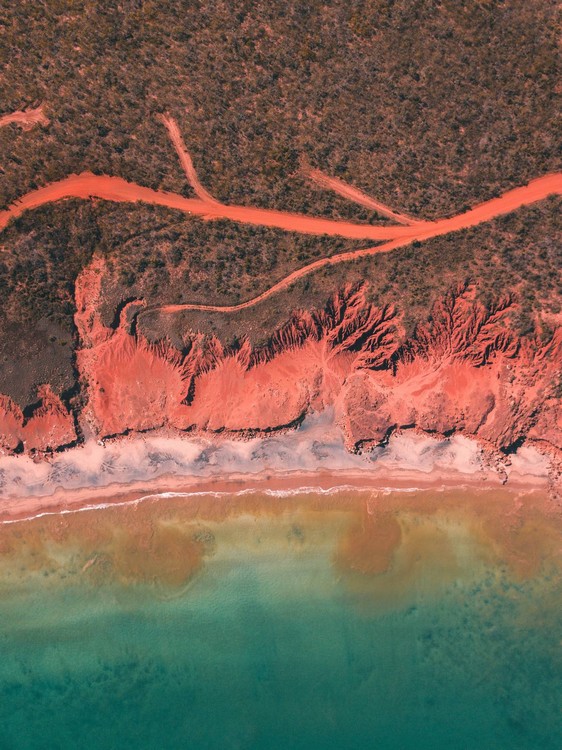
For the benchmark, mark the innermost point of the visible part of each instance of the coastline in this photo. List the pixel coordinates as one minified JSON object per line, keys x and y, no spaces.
{"x":280,"y":484}
{"x":128,"y":470}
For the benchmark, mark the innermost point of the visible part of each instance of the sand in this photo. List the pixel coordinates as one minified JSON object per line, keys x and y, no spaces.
{"x":526,"y":474}
{"x":25,"y":118}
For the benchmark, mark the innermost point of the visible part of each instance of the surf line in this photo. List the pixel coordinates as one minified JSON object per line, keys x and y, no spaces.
{"x":219,"y":494}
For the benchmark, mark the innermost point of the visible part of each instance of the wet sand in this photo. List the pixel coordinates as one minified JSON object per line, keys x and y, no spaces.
{"x":380,"y":482}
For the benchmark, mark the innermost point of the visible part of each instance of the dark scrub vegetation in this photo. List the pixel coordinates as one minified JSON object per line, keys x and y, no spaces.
{"x":429,"y":106}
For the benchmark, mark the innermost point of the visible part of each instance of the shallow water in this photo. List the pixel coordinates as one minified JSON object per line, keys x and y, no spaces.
{"x":349,"y":620}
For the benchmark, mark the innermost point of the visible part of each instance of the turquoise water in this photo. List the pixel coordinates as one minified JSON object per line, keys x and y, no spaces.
{"x":274,"y":647}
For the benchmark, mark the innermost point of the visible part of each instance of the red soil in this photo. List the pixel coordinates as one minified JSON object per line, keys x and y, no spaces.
{"x":464,"y":372}
{"x":26,"y":118}
{"x":132,"y":385}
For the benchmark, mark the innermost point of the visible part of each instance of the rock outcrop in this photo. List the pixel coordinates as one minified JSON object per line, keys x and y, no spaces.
{"x":48,"y":426}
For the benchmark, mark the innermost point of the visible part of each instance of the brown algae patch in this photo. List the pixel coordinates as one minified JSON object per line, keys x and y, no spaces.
{"x":128,"y":545}
{"x":370,"y":544}
{"x":405,"y":545}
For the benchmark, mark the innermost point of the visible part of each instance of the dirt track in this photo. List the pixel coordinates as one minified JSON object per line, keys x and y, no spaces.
{"x":357,"y":196}
{"x":186,"y":160}
{"x":88,"y":185}
{"x":531,"y":193}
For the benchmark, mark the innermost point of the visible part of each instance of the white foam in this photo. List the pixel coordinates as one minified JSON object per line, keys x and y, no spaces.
{"x":218,"y":494}
{"x":317,"y":445}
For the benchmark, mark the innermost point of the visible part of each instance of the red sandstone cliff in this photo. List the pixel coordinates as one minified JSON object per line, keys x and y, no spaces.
{"x":49,"y":426}
{"x":465,"y":371}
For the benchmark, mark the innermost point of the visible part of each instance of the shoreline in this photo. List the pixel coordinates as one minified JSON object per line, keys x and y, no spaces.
{"x":276,"y":483}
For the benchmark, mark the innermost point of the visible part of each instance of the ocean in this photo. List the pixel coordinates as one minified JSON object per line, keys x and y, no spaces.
{"x":349,"y":619}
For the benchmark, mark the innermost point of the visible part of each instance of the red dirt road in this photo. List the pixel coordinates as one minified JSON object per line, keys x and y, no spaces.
{"x":185,"y":159}
{"x":535,"y":191}
{"x":288,"y":280}
{"x":88,"y":185}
